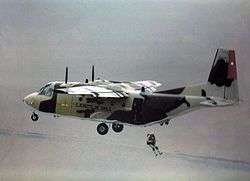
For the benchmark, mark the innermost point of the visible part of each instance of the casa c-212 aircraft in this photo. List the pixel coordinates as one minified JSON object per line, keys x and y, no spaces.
{"x":137,"y":102}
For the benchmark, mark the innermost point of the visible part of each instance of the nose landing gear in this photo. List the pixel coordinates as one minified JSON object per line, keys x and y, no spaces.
{"x":34,"y":117}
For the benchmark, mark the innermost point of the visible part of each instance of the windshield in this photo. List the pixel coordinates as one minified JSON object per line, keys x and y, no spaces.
{"x":47,"y":90}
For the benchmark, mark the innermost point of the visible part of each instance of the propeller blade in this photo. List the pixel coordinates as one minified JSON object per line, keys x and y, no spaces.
{"x":66,"y":75}
{"x":93,"y":73}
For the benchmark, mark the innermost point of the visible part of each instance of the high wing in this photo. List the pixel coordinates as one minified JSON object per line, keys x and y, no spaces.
{"x":128,"y":87}
{"x":95,"y":91}
{"x":111,"y":89}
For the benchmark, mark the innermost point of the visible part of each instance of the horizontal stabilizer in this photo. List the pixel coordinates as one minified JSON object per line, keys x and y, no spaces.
{"x":217,"y":102}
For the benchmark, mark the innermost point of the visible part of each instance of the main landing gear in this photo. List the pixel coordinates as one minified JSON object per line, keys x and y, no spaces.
{"x":117,"y":127}
{"x":34,"y":116}
{"x":103,"y":128}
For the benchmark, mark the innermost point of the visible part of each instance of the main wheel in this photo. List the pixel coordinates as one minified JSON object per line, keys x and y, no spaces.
{"x":117,"y":127}
{"x":102,"y":128}
{"x":34,"y":117}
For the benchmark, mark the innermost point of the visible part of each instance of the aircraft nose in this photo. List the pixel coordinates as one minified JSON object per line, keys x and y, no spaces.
{"x":32,"y":100}
{"x":28,"y":99}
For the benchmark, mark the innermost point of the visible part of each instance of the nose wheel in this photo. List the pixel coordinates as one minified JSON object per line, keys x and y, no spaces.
{"x":34,"y":117}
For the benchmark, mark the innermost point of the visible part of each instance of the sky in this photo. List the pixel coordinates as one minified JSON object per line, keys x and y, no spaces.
{"x":172,"y":42}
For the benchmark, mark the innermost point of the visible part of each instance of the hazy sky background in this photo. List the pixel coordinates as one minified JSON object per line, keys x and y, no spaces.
{"x":173,"y":42}
{"x":137,"y":39}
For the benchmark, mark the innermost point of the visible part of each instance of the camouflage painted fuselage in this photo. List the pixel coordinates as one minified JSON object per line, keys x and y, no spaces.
{"x":137,"y":108}
{"x":138,"y":103}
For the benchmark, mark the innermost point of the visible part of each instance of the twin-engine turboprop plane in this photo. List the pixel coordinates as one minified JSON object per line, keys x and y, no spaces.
{"x":136,"y":103}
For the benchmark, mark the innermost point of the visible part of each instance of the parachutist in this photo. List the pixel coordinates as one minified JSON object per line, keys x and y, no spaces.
{"x":151,"y":141}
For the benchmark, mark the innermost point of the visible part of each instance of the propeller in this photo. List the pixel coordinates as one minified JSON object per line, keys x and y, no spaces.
{"x":66,"y":75}
{"x":93,"y":73}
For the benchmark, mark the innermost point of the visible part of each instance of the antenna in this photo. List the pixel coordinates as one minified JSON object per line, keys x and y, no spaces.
{"x":93,"y":73}
{"x":66,"y":75}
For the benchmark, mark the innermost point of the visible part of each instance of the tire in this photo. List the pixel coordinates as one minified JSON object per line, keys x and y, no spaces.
{"x":117,"y":127}
{"x":102,"y":129}
{"x":34,"y":117}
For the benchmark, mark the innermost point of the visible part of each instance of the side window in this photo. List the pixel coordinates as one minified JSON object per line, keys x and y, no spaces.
{"x":46,"y":90}
{"x":42,"y":91}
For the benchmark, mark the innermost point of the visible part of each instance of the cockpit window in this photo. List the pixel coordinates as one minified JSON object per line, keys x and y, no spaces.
{"x":47,"y":90}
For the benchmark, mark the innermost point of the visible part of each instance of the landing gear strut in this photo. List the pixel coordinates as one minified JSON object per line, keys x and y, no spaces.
{"x":166,"y":122}
{"x":34,"y":117}
{"x":102,"y":129}
{"x":117,"y":127}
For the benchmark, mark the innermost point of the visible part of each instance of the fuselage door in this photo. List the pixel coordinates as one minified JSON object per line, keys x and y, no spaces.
{"x":63,"y":105}
{"x":137,"y":109}
{"x":78,"y":103}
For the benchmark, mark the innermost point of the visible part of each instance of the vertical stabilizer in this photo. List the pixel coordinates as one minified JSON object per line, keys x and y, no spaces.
{"x":222,"y":81}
